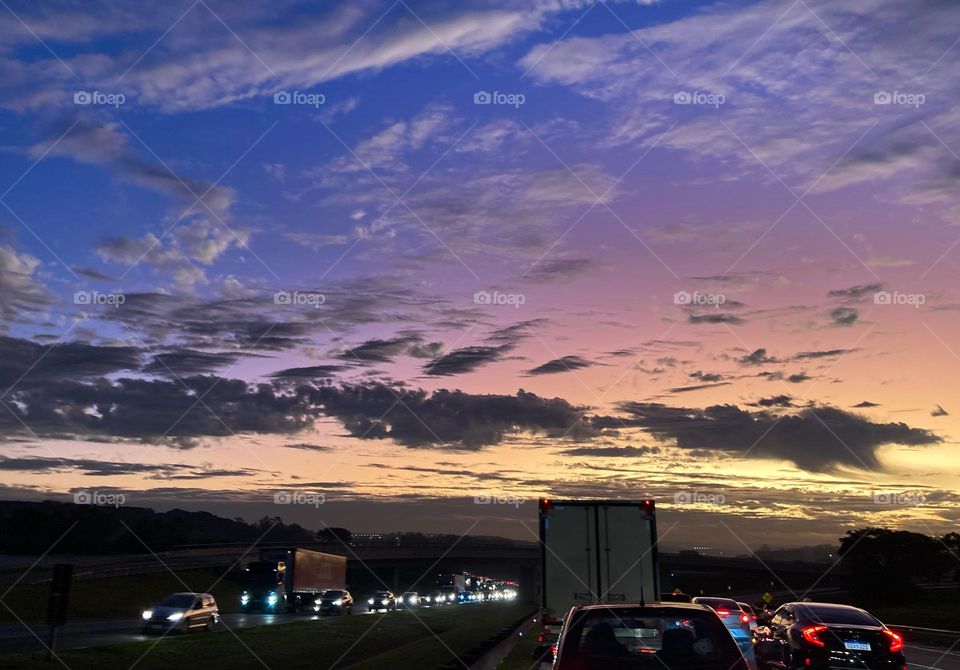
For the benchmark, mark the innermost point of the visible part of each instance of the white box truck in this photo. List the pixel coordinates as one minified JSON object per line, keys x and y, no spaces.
{"x":595,"y":551}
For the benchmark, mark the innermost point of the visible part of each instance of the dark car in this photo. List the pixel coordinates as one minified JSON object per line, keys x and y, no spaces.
{"x":655,"y":636}
{"x":734,"y":618}
{"x":825,"y":635}
{"x":334,"y":601}
{"x":382,"y":600}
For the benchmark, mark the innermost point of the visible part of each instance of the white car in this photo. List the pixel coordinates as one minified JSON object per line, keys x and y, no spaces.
{"x":182,"y":612}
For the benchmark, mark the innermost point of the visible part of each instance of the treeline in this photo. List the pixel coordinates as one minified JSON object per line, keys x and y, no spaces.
{"x":883,"y":565}
{"x":31,"y":528}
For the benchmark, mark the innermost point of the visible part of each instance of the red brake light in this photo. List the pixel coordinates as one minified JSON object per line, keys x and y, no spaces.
{"x":723,"y":613}
{"x":896,"y":641}
{"x":810,"y":635}
{"x":745,"y":618}
{"x":546,"y":506}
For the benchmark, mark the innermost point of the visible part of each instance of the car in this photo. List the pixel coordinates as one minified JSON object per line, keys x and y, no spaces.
{"x":826,"y":635}
{"x":181,"y":612}
{"x":409,"y":600}
{"x":651,"y":636}
{"x":735,"y":619}
{"x":334,"y":601}
{"x":435,"y":599}
{"x":382,"y":600}
{"x":748,"y":610}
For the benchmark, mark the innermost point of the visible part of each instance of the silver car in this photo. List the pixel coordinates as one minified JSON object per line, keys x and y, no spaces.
{"x":182,"y":612}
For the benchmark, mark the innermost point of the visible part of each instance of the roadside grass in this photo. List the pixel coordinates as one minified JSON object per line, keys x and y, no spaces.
{"x":395,"y":640}
{"x":521,"y":656}
{"x":118,"y":597}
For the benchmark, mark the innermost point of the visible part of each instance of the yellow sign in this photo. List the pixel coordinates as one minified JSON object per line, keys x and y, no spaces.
{"x":767,"y":597}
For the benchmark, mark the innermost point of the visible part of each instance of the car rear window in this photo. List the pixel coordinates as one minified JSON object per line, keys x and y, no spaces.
{"x":841,"y":615}
{"x":649,"y":637}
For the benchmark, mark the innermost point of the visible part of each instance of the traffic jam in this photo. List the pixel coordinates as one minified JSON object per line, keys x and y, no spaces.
{"x":303,"y":581}
{"x":601,"y":608}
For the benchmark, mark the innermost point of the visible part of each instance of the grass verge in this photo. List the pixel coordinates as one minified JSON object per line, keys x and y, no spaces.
{"x":118,"y":597}
{"x":396,"y":640}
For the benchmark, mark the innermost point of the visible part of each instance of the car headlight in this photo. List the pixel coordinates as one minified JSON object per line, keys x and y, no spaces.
{"x":370,"y":602}
{"x":176,"y":616}
{"x":385,"y":601}
{"x":272,"y":599}
{"x":412,"y":600}
{"x":147,"y":614}
{"x":245,"y":598}
{"x":338,"y":602}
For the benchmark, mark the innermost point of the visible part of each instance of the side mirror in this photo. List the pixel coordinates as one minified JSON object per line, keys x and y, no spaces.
{"x":543,"y":653}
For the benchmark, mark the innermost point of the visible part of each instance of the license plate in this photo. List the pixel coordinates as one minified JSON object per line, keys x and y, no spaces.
{"x":857,"y":646}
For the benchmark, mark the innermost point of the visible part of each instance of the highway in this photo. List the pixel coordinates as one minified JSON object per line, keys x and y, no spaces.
{"x":93,"y":633}
{"x":926,"y":657}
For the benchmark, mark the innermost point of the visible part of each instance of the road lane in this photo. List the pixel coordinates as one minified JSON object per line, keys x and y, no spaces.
{"x":926,"y":657}
{"x":16,"y":638}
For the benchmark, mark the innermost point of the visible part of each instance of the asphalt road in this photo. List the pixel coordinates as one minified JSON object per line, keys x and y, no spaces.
{"x":924,"y":657}
{"x":92,"y":633}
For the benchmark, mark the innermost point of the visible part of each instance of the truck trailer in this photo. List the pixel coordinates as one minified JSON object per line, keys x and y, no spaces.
{"x":290,"y":580}
{"x":595,"y":551}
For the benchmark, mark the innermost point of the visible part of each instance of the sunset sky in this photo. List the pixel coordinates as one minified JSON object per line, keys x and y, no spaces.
{"x":408,"y":255}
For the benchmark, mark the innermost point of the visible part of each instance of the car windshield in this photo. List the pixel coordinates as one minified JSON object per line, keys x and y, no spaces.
{"x":333,"y":594}
{"x":840,"y":615}
{"x":719,"y":603}
{"x":382,"y":594}
{"x":179,"y":601}
{"x":659,"y":638}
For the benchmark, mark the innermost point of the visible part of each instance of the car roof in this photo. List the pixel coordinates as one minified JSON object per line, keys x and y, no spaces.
{"x":818,"y":604}
{"x":655,"y":603}
{"x":191,"y":593}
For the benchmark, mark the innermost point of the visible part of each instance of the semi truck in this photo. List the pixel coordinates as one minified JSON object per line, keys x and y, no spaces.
{"x":290,"y":580}
{"x":595,"y":551}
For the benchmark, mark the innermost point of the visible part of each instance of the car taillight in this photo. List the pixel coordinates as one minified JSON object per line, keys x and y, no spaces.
{"x":723,"y":613}
{"x":810,"y":634}
{"x":745,"y":618}
{"x":896,"y":641}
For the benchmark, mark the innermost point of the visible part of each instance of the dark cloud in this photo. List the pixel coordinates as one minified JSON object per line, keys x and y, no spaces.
{"x":776,"y":401}
{"x":939,"y":411}
{"x":697,"y":387}
{"x":815,"y":439}
{"x":466,"y":359}
{"x":856,"y":293}
{"x":706,"y":377}
{"x":612,"y":452}
{"x":26,"y":363}
{"x":308,"y":447}
{"x":40,"y":465}
{"x":844,"y":316}
{"x":162,"y":410}
{"x":185,"y":362}
{"x":446,"y":418}
{"x":798,"y":377}
{"x":866,"y":403}
{"x":826,"y":353}
{"x":562,"y":364}
{"x":758,"y":357}
{"x":714,"y":317}
{"x":310,"y":372}
{"x":384,"y":351}
{"x":559,"y":269}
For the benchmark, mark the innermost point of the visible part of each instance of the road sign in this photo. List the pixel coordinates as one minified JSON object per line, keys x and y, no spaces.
{"x":767,"y":597}
{"x":59,"y":593}
{"x":57,"y":604}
